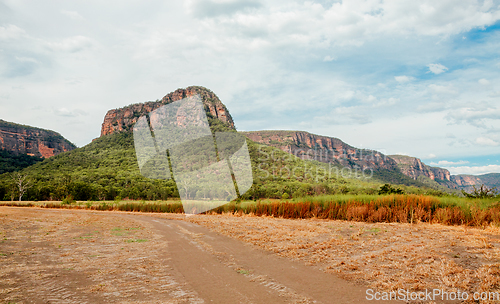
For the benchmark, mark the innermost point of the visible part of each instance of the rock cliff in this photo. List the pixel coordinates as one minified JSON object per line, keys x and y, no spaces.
{"x":123,"y":119}
{"x":414,"y":167}
{"x":21,"y":139}
{"x":322,"y":148}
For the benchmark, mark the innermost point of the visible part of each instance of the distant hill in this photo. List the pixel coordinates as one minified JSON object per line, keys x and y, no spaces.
{"x":336,"y":152}
{"x":467,"y":181}
{"x":22,"y":146}
{"x":21,"y":139}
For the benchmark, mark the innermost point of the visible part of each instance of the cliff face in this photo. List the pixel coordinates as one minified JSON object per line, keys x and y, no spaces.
{"x":123,"y":119}
{"x":414,"y":167}
{"x":466,"y":181}
{"x":322,"y":148}
{"x":21,"y":139}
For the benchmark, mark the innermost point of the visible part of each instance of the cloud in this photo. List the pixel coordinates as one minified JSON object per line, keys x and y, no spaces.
{"x":431,"y":156}
{"x":483,"y":141}
{"x":437,"y":68}
{"x":11,"y":31}
{"x":26,"y":59}
{"x":403,"y":78}
{"x":69,"y":113}
{"x":72,"y":44}
{"x":476,"y":170}
{"x":444,"y":163}
{"x":210,"y":9}
{"x":329,"y":58}
{"x":474,"y":117}
{"x":483,"y":81}
{"x":441,"y":89}
{"x":72,"y":14}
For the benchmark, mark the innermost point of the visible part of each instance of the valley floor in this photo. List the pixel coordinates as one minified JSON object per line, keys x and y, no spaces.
{"x":82,"y":256}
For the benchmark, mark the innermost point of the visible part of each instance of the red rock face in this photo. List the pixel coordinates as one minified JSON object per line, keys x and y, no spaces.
{"x":322,"y":148}
{"x":119,"y":120}
{"x":413,"y":167}
{"x":32,"y":141}
{"x":466,"y":180}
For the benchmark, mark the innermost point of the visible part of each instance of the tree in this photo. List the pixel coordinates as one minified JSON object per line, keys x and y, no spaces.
{"x":22,"y":184}
{"x":388,"y":189}
{"x":482,"y":192}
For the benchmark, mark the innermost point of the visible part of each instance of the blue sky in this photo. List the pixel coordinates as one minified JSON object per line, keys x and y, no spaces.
{"x":419,"y":78}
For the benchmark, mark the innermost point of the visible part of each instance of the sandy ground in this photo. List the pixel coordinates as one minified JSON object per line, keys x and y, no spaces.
{"x":78,"y":256}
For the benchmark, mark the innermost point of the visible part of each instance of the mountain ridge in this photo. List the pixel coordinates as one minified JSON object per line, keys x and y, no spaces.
{"x":33,"y":141}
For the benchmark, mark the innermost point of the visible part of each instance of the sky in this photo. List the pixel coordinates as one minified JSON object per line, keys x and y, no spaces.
{"x":419,"y":78}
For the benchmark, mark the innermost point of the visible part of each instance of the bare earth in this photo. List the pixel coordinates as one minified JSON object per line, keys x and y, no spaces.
{"x":78,"y":256}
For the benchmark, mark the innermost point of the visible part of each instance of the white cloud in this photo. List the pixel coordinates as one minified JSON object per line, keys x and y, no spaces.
{"x":474,"y":170}
{"x":69,"y":113}
{"x":26,"y":59}
{"x":11,"y":31}
{"x":483,"y":81}
{"x":445,"y":163}
{"x":431,"y":156}
{"x":403,"y":78}
{"x":484,"y":141}
{"x":437,"y":68}
{"x":72,"y":14}
{"x":441,"y":89}
{"x":72,"y":44}
{"x":476,"y":117}
{"x":329,"y":58}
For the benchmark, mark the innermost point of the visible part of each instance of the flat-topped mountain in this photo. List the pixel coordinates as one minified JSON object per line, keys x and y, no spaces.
{"x":322,"y":148}
{"x":118,"y":120}
{"x":20,"y":139}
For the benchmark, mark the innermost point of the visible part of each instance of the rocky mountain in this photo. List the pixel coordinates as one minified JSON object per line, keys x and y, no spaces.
{"x":467,"y":181}
{"x":123,"y":119}
{"x":349,"y":161}
{"x":20,"y":139}
{"x":333,"y":150}
{"x":322,"y":148}
{"x":414,"y":167}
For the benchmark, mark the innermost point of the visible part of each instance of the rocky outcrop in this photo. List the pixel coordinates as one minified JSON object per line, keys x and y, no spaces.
{"x":119,"y":120}
{"x":414,"y":167}
{"x":21,"y":139}
{"x":323,"y":149}
{"x":466,"y":181}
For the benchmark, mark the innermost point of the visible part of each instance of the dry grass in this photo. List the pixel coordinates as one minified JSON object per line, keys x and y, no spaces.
{"x":83,"y":257}
{"x":386,"y":256}
{"x":374,"y":209}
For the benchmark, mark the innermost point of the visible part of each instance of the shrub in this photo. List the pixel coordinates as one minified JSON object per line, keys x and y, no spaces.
{"x":68,"y":200}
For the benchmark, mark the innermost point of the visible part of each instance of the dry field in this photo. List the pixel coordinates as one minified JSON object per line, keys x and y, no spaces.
{"x":81,"y":256}
{"x":47,"y":256}
{"x":384,"y":256}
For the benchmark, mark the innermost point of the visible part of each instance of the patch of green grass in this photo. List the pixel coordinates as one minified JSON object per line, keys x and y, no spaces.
{"x":136,"y":241}
{"x":243,"y":271}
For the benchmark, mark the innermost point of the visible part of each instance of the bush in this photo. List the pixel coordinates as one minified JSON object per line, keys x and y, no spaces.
{"x":388,"y":189}
{"x":68,"y":200}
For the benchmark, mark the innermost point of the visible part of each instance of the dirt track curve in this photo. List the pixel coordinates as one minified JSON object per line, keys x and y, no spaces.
{"x":71,"y":256}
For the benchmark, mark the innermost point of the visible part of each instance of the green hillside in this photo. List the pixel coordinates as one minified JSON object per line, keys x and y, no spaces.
{"x":10,"y":161}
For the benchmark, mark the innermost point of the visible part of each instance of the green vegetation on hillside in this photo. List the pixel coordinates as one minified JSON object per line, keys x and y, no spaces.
{"x":107,"y":169}
{"x":9,"y":161}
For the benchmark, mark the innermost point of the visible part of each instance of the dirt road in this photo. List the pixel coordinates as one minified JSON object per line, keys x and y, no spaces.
{"x":71,"y":256}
